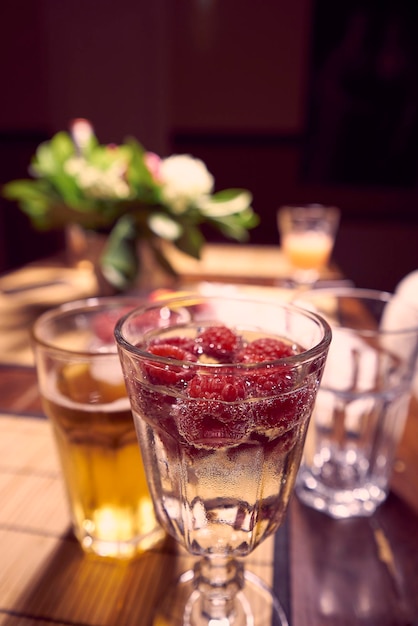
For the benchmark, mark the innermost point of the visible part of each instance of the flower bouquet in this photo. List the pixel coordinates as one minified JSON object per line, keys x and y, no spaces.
{"x":129,"y":193}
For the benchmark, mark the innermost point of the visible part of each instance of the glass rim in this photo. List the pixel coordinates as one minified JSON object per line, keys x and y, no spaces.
{"x":362,"y":294}
{"x":303,"y":357}
{"x":67,"y":310}
{"x":315,"y":208}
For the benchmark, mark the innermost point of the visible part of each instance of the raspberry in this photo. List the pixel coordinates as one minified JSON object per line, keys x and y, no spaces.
{"x":282,"y":411}
{"x":214,"y":415}
{"x":280,"y":403}
{"x":187,"y":343}
{"x":104,"y":323}
{"x":265,"y":349}
{"x":225,"y":387}
{"x":202,"y":424}
{"x":168,"y":373}
{"x":272,"y":379}
{"x":223,"y":407}
{"x":219,"y":342}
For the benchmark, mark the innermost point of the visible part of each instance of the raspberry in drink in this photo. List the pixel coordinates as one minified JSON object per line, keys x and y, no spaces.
{"x":236,"y":427}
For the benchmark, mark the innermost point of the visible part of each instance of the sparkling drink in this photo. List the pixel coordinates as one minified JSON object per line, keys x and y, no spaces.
{"x":224,"y":500}
{"x":221,"y":392}
{"x":229,"y":463}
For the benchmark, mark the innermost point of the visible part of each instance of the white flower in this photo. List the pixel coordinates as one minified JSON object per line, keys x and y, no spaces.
{"x":184,"y":181}
{"x":164,"y":227}
{"x":74,"y":165}
{"x":98,"y":183}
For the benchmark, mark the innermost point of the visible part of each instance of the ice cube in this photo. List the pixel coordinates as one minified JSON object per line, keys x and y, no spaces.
{"x":107,"y":369}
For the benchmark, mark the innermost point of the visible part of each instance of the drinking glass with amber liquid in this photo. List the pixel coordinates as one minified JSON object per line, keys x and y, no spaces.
{"x":307,"y":237}
{"x":84,"y":397}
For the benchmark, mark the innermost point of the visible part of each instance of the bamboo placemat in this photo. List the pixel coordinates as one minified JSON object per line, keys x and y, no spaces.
{"x":45,"y":578}
{"x":28,"y":292}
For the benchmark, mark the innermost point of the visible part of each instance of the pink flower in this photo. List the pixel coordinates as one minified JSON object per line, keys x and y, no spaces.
{"x":153,"y":163}
{"x":81,"y":132}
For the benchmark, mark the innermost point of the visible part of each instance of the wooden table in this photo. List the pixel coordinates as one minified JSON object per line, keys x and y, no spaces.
{"x":326,"y":572}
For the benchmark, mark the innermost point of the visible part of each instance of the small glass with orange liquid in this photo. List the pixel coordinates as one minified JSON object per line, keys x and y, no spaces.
{"x":307,"y":235}
{"x":84,"y":397}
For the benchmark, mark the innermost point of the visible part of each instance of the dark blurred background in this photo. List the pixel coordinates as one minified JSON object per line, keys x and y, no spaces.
{"x":302,"y":101}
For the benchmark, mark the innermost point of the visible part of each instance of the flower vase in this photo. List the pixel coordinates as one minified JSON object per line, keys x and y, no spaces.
{"x":84,"y":249}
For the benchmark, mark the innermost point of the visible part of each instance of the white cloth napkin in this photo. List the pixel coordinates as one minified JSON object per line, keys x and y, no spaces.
{"x":407,"y":289}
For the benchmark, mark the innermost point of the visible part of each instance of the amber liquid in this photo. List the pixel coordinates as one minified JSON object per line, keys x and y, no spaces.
{"x":103,"y":471}
{"x":309,"y":250}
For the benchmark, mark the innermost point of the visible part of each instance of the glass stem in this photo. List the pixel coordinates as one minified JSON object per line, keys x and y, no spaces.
{"x":218,"y":580}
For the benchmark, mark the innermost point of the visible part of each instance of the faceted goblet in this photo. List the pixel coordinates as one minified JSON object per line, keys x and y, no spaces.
{"x":221,"y":391}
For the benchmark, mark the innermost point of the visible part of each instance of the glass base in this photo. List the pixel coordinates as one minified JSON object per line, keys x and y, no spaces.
{"x":123,"y":550}
{"x":255,"y":605}
{"x":338,"y":503}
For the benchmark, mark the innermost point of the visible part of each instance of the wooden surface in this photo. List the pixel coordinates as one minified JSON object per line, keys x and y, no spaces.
{"x":28,"y":291}
{"x":345,"y":572}
{"x":362,"y":571}
{"x":45,"y":578}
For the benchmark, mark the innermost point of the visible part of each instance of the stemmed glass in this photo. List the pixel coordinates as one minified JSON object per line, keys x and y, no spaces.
{"x":307,"y":237}
{"x":221,"y":390}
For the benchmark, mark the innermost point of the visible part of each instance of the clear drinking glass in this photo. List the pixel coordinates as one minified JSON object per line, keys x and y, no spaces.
{"x":362,"y":404}
{"x":85,"y":399}
{"x":221,"y":392}
{"x":307,"y":237}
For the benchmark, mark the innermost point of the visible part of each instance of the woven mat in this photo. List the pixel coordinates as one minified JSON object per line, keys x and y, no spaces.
{"x":45,"y":578}
{"x":27,"y":292}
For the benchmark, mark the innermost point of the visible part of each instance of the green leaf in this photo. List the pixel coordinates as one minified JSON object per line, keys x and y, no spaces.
{"x":119,"y":261}
{"x":33,"y":198}
{"x":230,"y":194}
{"x":24,"y":189}
{"x":162,"y":259}
{"x":62,"y":147}
{"x":67,"y":189}
{"x":231,"y":228}
{"x":50,"y":156}
{"x":226,"y":202}
{"x":103,"y":157}
{"x":248,"y":219}
{"x":191,"y":241}
{"x":138,"y":174}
